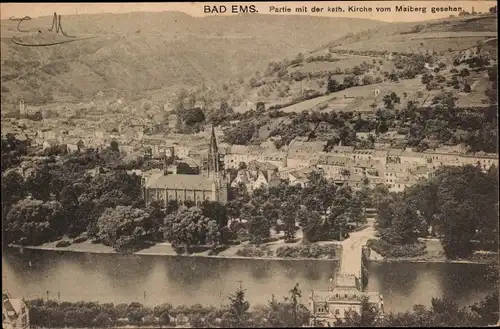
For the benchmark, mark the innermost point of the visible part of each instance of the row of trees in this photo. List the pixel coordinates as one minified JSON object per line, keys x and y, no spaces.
{"x":62,"y":196}
{"x":444,"y":312}
{"x":288,"y":312}
{"x":67,"y":196}
{"x":458,"y":204}
{"x":443,"y":123}
{"x":323,"y":211}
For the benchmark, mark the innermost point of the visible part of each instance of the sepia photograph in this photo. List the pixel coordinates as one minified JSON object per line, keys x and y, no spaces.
{"x":249,"y":164}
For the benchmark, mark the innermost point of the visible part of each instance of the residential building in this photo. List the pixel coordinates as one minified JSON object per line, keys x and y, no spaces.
{"x":74,"y":145}
{"x":245,"y":154}
{"x":486,"y":161}
{"x":332,"y":165}
{"x":15,"y":313}
{"x":257,"y":175}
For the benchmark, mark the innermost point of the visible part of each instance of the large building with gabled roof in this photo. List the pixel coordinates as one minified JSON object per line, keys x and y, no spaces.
{"x":210,"y":185}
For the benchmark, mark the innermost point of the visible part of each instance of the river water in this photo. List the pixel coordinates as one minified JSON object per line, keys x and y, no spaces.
{"x":152,"y":280}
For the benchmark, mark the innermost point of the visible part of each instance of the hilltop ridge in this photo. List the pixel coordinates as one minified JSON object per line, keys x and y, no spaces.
{"x":138,"y":52}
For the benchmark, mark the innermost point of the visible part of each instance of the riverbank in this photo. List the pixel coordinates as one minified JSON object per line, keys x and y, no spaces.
{"x":165,"y":249}
{"x":432,"y":252}
{"x":241,"y":251}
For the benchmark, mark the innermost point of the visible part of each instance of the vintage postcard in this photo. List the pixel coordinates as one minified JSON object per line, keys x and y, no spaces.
{"x":249,"y":164}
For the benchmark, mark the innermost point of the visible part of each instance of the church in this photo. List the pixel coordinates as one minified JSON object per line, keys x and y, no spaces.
{"x":211,"y":184}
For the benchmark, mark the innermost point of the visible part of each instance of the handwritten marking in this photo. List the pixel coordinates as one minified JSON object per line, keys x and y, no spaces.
{"x":20,"y":20}
{"x":56,"y":24}
{"x":48,"y":44}
{"x":56,"y":21}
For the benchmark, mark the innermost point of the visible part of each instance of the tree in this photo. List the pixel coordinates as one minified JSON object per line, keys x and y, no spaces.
{"x":12,"y":190}
{"x":310,"y":222}
{"x":368,"y":316}
{"x":368,"y":80}
{"x":238,"y":314}
{"x":385,"y":213}
{"x":122,"y":226}
{"x":192,"y":116}
{"x":242,"y":133}
{"x":288,"y":313}
{"x":12,"y":149}
{"x":295,"y":294}
{"x":260,"y":107}
{"x":287,"y":214}
{"x":216,"y":212}
{"x":350,"y":81}
{"x":258,"y":226}
{"x":271,"y":211}
{"x":190,"y":227}
{"x":114,"y":146}
{"x":426,"y":78}
{"x":487,"y":309}
{"x":43,"y":183}
{"x":404,"y":226}
{"x":458,"y":229}
{"x":390,"y":100}
{"x":102,"y":320}
{"x":333,"y":86}
{"x":32,"y":222}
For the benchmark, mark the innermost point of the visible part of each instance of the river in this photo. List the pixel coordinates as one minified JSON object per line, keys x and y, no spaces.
{"x":153,"y":280}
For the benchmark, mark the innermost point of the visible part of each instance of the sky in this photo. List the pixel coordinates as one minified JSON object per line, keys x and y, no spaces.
{"x":196,"y":8}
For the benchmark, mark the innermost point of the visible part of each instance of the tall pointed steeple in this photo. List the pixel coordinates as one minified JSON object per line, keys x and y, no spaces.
{"x":213,"y":155}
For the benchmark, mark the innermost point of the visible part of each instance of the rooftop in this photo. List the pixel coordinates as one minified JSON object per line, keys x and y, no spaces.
{"x":180,"y":182}
{"x":332,"y":160}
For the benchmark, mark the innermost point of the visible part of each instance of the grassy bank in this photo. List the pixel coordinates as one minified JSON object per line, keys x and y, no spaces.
{"x":425,"y":251}
{"x":277,"y":250}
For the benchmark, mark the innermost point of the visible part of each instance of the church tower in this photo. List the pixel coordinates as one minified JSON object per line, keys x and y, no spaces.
{"x":213,"y":156}
{"x":22,"y":109}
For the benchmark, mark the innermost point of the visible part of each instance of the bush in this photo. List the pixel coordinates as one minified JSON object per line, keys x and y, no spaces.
{"x":308,"y":251}
{"x":63,"y":244}
{"x":395,"y":251}
{"x":80,"y":239}
{"x":252,"y":251}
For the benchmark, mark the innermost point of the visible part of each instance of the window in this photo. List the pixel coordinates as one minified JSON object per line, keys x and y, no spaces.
{"x":354,"y":296}
{"x":337,"y":312}
{"x":345,"y":296}
{"x":337,"y":295}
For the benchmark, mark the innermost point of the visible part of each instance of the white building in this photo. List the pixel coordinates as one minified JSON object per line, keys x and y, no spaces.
{"x":15,"y":313}
{"x":327,"y":306}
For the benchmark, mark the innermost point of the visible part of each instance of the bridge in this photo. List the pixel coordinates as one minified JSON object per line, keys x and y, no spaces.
{"x":352,"y":248}
{"x":345,"y":293}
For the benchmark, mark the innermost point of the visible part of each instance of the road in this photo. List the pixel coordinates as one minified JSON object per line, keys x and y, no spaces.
{"x":352,"y":249}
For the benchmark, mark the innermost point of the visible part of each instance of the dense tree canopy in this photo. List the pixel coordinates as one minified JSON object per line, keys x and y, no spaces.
{"x":459,"y":204}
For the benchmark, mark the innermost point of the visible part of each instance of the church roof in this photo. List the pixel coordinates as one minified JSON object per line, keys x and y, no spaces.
{"x":180,"y":181}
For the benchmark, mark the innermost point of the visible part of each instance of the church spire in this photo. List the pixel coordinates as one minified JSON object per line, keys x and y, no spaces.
{"x":213,"y":155}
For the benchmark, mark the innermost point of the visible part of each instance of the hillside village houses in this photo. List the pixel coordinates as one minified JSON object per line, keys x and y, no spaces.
{"x":398,"y":168}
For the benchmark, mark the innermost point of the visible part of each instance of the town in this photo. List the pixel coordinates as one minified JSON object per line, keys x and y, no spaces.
{"x":327,"y":177}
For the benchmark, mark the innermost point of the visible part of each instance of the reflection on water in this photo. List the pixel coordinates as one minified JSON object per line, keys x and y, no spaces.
{"x":188,"y":280}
